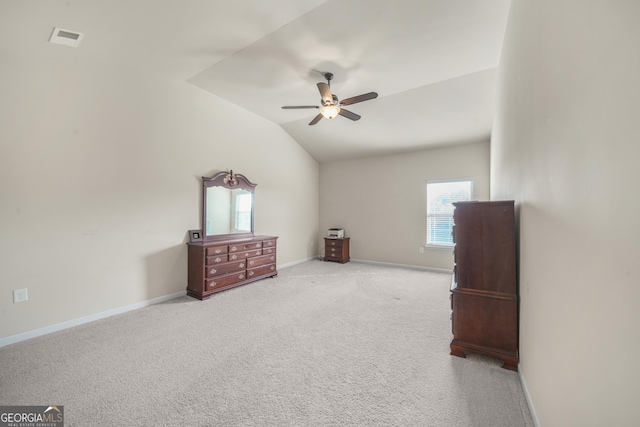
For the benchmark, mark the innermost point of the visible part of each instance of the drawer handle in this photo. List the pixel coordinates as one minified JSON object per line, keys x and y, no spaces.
{"x":272,"y":258}
{"x":333,"y":243}
{"x":250,"y":262}
{"x":218,"y":251}
{"x":213,"y":271}
{"x":218,"y":259}
{"x":213,"y":284}
{"x":234,"y":257}
{"x":241,"y":276}
{"x":242,"y":264}
{"x":273,"y":268}
{"x":233,"y":248}
{"x":251,"y":273}
{"x":333,"y":249}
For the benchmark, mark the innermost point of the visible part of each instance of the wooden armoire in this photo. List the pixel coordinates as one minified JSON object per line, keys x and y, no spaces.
{"x":484,"y":296}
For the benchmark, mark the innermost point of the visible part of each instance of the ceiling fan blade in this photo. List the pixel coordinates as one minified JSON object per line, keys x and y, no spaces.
{"x":315,"y":120}
{"x":348,"y":114}
{"x":359,"y":98}
{"x":325,"y":93}
{"x":293,"y":107}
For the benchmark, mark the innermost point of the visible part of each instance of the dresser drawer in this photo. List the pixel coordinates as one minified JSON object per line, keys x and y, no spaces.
{"x":217,"y":250}
{"x":261,"y":260}
{"x":245,"y":254}
{"x":245,"y":247}
{"x":259,"y":271}
{"x":269,"y":244}
{"x":267,"y":251}
{"x":226,"y":280}
{"x":225,"y":268}
{"x":217,"y":259}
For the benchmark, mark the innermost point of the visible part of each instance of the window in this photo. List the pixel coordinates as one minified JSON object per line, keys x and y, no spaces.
{"x":440,"y":196}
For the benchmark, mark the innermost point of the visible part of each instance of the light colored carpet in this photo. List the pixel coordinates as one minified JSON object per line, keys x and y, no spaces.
{"x":322,"y":344}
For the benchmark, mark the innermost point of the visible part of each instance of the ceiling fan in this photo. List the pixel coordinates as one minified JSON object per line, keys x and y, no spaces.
{"x":331,"y":107}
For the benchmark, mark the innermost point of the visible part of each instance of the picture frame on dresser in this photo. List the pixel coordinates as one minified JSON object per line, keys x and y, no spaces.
{"x":195,"y":235}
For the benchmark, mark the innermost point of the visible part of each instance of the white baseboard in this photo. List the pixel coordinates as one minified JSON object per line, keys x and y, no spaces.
{"x":527,"y":396}
{"x":12,"y":339}
{"x":300,"y":261}
{"x":413,"y":267}
{"x":364,"y":261}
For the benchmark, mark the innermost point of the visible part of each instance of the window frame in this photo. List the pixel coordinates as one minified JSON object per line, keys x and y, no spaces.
{"x":446,"y":216}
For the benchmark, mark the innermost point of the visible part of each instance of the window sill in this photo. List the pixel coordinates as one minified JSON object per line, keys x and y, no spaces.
{"x":440,"y":247}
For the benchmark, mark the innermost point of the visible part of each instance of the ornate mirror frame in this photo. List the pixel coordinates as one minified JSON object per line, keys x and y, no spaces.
{"x":230,"y":181}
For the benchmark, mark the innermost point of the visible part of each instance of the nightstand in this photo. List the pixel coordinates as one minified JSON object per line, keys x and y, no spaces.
{"x":336,"y":249}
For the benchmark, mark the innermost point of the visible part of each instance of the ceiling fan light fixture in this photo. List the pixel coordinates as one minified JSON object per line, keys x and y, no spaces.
{"x":331,"y":107}
{"x":330,"y":111}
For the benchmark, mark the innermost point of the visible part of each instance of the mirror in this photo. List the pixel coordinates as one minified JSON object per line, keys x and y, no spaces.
{"x":227,"y":206}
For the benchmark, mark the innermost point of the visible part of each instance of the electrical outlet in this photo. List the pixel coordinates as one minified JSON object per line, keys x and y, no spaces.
{"x":20,"y":295}
{"x":421,"y":249}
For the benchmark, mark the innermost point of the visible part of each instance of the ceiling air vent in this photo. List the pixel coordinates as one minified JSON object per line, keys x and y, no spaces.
{"x":66,"y":37}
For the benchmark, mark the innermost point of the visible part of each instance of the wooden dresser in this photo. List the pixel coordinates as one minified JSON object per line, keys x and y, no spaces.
{"x":484,"y":298}
{"x":336,"y":249}
{"x":219,"y":265}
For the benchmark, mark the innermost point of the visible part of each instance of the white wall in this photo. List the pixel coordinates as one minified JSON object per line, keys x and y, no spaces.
{"x":381,"y":201}
{"x":565,"y":146}
{"x":100,"y":181}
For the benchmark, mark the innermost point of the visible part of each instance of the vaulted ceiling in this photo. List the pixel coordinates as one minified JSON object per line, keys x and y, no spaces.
{"x":433,"y":63}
